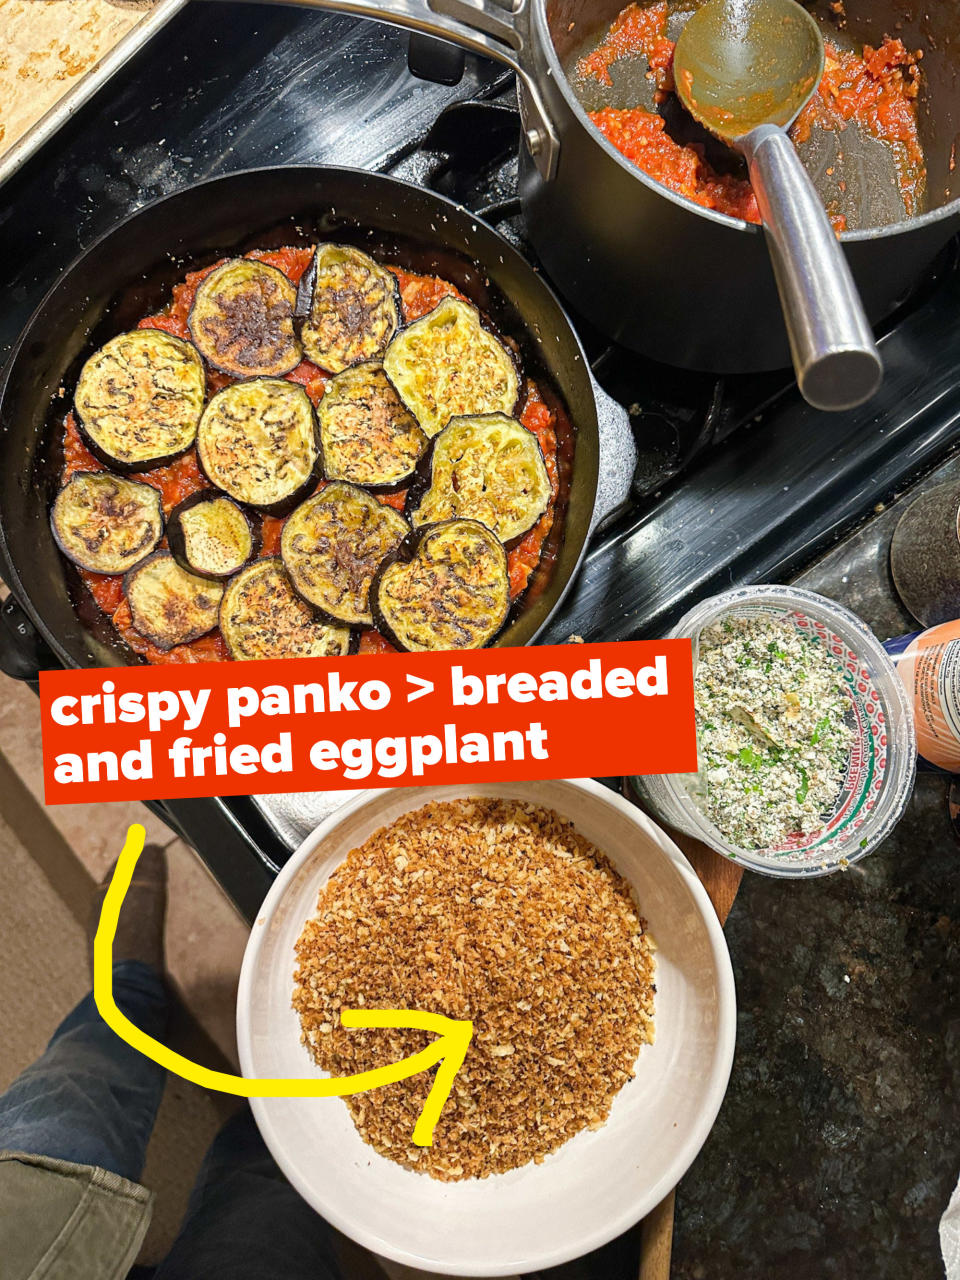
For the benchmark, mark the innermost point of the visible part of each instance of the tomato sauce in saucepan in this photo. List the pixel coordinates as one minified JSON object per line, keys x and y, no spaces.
{"x":179,"y":479}
{"x":876,"y":90}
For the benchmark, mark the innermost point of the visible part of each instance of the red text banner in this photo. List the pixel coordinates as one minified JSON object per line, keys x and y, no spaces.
{"x":378,"y":720}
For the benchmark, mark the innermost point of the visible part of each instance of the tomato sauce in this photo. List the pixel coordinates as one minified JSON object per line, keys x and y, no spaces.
{"x":183,"y":477}
{"x":641,"y":137}
{"x":635,"y":30}
{"x":876,"y":90}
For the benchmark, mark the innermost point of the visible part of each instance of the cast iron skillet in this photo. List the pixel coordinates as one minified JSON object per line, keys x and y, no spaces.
{"x":129,"y":273}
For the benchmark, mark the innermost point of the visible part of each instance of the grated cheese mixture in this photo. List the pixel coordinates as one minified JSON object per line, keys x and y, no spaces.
{"x":771,"y":706}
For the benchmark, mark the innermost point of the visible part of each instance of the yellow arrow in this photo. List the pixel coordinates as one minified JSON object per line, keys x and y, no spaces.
{"x":447,"y":1052}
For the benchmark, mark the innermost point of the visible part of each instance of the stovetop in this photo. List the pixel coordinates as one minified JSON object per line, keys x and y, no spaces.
{"x":738,"y":480}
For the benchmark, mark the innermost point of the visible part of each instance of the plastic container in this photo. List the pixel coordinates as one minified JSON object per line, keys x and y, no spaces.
{"x":882,"y":765}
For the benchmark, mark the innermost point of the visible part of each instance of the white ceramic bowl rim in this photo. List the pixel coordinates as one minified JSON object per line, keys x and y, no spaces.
{"x":694,"y":1137}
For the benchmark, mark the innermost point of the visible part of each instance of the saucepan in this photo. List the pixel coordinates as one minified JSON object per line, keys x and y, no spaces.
{"x":656,"y":272}
{"x":129,"y":273}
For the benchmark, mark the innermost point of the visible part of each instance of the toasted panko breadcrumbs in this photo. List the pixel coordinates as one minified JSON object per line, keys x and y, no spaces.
{"x":502,"y":913}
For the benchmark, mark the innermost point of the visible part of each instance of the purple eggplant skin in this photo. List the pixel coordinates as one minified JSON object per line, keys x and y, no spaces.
{"x":405,"y":553}
{"x":125,"y":468}
{"x":348,"y":492}
{"x":215,"y":358}
{"x":286,"y":505}
{"x":423,"y":478}
{"x":304,"y":302}
{"x":153,"y":495}
{"x":177,"y":542}
{"x":393,"y":486}
{"x":307,"y":285}
{"x":276,"y":562}
{"x":154,"y":636}
{"x":117,"y":465}
{"x":279,"y":509}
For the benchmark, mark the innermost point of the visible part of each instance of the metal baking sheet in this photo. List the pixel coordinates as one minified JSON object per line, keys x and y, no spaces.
{"x":87,"y":86}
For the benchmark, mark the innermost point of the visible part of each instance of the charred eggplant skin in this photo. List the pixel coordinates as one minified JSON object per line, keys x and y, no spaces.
{"x":106,"y":523}
{"x":367,"y":434}
{"x":333,"y":545}
{"x":447,"y":586}
{"x":139,"y":399}
{"x":261,"y":616}
{"x":448,"y":364}
{"x":168,"y":605}
{"x":488,"y":468}
{"x":241,"y":320}
{"x":229,"y":538}
{"x":258,"y":442}
{"x":353,"y":309}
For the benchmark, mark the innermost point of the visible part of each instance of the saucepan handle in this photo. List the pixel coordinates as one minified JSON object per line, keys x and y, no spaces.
{"x":479,"y":26}
{"x":834,"y":354}
{"x":618,"y":457}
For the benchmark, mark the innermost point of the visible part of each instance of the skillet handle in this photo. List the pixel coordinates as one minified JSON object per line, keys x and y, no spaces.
{"x":486,"y":27}
{"x":834,"y":354}
{"x":23,"y":653}
{"x":618,"y":457}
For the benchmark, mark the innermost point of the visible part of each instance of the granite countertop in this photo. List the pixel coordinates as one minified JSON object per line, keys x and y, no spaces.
{"x":838,"y":1145}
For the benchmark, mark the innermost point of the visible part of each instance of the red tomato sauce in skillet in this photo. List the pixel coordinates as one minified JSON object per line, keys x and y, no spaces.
{"x":183,"y":477}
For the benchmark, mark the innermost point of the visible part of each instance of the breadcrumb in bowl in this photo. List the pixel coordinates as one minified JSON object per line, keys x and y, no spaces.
{"x":596,"y":1175}
{"x":499,"y":912}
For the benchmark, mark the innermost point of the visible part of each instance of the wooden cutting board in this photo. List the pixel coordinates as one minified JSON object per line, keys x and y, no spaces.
{"x":721,"y":879}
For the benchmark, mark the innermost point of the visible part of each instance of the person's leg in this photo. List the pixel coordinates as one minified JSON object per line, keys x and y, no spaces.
{"x":91,"y":1098}
{"x":245,"y":1221}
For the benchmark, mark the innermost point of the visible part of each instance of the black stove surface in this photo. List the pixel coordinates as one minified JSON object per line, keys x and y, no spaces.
{"x":737,"y":479}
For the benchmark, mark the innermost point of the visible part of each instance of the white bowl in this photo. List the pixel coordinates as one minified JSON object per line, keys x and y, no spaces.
{"x":594,"y":1187}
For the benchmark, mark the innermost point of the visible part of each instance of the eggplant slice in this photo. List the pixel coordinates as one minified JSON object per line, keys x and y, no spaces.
{"x":447,"y":365}
{"x":333,"y":545}
{"x":353,"y":309}
{"x":168,"y":605}
{"x":261,"y":616}
{"x":446,"y":587}
{"x":105,"y":523}
{"x":367,"y":435}
{"x":242,"y":320}
{"x":139,"y":399}
{"x":258,"y":442}
{"x":488,"y":468}
{"x":209,"y":535}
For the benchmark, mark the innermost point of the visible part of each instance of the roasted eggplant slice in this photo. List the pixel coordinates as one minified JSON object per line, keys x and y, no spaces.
{"x":242,"y":320}
{"x":168,"y":605}
{"x":104,"y":523}
{"x":257,"y":442}
{"x":139,"y":399}
{"x":354,"y":308}
{"x":367,"y":434}
{"x":209,"y":535}
{"x":488,"y":468}
{"x":263,"y":617}
{"x":447,"y":365}
{"x":332,"y":546}
{"x":446,"y":587}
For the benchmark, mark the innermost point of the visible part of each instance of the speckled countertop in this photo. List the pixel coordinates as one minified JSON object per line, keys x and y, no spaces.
{"x":838,"y":1145}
